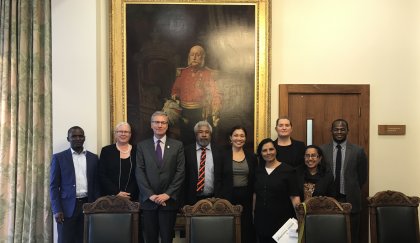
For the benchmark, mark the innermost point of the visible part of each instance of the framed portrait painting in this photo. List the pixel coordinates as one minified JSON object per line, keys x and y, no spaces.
{"x":195,"y":60}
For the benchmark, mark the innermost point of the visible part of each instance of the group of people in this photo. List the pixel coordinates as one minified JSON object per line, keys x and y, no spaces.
{"x":163,"y":176}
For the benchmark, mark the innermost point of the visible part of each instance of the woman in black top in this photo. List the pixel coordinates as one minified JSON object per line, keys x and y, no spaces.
{"x":313,"y":178}
{"x":276,"y":192}
{"x":238,"y":179}
{"x":289,"y":150}
{"x":117,"y":163}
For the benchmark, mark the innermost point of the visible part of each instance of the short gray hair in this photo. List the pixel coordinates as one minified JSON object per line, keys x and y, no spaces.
{"x":159,"y":113}
{"x":122,"y":124}
{"x":202,"y":124}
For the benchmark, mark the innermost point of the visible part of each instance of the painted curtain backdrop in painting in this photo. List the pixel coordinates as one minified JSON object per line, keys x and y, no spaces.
{"x":158,"y":39}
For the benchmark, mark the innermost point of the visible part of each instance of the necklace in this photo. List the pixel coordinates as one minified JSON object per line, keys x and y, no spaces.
{"x":237,"y":161}
{"x":129,"y":175}
{"x":124,"y":151}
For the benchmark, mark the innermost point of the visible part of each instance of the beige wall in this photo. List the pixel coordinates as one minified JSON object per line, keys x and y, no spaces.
{"x":374,"y":42}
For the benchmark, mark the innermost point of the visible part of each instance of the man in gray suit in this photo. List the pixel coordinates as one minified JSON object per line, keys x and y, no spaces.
{"x":160,"y":175}
{"x":348,"y":162}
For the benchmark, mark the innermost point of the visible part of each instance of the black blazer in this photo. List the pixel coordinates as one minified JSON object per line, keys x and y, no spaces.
{"x":191,"y":173}
{"x":227,"y":184}
{"x":109,"y":172}
{"x":323,"y":187}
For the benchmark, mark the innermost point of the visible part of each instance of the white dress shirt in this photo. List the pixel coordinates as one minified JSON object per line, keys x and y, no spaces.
{"x":209,"y":170}
{"x":79,"y":162}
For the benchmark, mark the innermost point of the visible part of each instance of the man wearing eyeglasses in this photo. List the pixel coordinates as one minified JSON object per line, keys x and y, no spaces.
{"x":348,"y":163}
{"x":160,"y":176}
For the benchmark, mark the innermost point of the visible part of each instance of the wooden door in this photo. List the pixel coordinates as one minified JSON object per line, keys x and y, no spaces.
{"x":323,"y":104}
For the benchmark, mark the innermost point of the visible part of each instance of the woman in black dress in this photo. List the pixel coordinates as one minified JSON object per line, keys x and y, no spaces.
{"x":276,"y":192}
{"x":117,"y":163}
{"x":313,"y":178}
{"x":238,"y":179}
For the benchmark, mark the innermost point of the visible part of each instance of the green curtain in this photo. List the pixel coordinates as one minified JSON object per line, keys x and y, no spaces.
{"x":25,"y":120}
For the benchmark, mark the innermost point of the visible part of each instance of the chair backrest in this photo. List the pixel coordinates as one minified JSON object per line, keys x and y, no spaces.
{"x":324,"y":220}
{"x":111,"y":219}
{"x":213,"y":220}
{"x":393,"y":218}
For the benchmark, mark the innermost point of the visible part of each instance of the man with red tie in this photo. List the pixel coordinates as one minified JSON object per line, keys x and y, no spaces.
{"x":203,"y":167}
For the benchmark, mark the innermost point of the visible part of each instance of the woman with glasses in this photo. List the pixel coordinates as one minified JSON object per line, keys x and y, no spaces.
{"x":313,"y":177}
{"x":117,"y":163}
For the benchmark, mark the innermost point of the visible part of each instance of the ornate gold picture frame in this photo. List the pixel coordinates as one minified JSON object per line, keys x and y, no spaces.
{"x":137,"y":30}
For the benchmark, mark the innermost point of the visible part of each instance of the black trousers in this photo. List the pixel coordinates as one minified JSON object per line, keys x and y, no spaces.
{"x":71,"y":230}
{"x":158,"y":223}
{"x":355,"y":227}
{"x":242,"y":196}
{"x":354,"y":220}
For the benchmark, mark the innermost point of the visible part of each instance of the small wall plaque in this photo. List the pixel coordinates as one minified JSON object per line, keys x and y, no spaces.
{"x":391,"y":129}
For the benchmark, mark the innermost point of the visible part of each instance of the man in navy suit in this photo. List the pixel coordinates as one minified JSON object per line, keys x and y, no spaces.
{"x":348,"y":162}
{"x":160,"y":175}
{"x":212,"y":167}
{"x":72,"y":182}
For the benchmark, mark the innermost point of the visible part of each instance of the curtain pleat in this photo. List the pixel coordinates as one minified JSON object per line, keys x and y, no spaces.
{"x":25,"y":120}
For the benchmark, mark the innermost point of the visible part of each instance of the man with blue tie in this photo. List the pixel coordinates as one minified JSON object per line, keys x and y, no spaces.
{"x":73,"y":181}
{"x":160,"y":175}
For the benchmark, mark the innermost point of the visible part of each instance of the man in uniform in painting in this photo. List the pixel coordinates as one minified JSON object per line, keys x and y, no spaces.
{"x":196,"y":90}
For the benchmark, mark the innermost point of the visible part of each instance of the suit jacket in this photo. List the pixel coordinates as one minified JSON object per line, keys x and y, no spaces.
{"x":109,"y":172}
{"x":227,"y":184}
{"x":191,"y":173}
{"x":355,"y":171}
{"x":63,"y":181}
{"x":153,"y":180}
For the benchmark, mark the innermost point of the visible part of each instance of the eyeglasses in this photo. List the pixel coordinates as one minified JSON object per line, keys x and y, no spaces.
{"x":160,"y":122}
{"x":123,"y":132}
{"x":312,"y":156}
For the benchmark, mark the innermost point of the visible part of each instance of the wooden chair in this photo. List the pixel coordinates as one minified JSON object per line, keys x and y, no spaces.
{"x":111,"y":219}
{"x":213,"y":220}
{"x":324,"y":220}
{"x":393,"y":218}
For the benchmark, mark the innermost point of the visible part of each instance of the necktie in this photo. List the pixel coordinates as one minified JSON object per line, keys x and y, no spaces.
{"x":159,"y":154}
{"x":201,"y":170}
{"x":338,"y":168}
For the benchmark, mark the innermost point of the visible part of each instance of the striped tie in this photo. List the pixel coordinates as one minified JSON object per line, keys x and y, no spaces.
{"x":201,"y":171}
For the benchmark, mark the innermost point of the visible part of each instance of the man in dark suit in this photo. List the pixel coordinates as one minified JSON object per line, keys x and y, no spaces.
{"x":348,"y":162}
{"x":160,"y":176}
{"x":212,"y":171}
{"x":73,"y":182}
